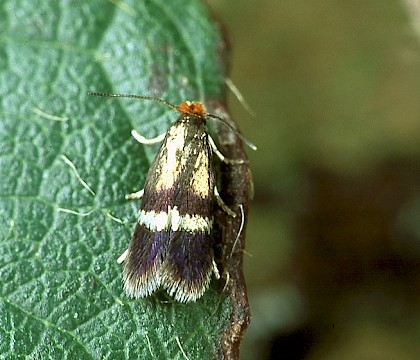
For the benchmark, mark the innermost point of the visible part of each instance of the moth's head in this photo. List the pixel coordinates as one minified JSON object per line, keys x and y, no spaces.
{"x":193,"y":108}
{"x":187,"y":107}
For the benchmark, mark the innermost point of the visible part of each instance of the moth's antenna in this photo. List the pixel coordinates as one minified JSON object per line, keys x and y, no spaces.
{"x":177,"y":108}
{"x":232,"y":87}
{"x":135,"y":97}
{"x":236,"y":132}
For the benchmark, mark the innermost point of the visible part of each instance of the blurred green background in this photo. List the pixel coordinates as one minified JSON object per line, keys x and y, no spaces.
{"x":334,"y":228}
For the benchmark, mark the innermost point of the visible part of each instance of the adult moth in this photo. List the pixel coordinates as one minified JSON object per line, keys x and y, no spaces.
{"x":172,"y":245}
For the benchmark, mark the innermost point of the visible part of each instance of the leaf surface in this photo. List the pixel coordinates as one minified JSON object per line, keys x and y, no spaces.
{"x":61,"y":292}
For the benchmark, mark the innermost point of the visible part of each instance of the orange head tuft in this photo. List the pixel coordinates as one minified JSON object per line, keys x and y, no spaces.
{"x":193,"y":108}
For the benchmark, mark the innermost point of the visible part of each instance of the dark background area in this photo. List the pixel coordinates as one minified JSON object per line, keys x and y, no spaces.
{"x":334,"y":229}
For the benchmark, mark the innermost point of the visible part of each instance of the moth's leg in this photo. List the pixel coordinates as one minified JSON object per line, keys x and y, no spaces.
{"x":227,"y":275}
{"x":141,"y":139}
{"x":221,"y":156}
{"x":216,"y":270}
{"x":241,"y":227}
{"x":222,"y":204}
{"x":123,"y":256}
{"x":137,"y":195}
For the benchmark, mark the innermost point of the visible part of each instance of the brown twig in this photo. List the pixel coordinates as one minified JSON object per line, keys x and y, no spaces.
{"x":234,"y":185}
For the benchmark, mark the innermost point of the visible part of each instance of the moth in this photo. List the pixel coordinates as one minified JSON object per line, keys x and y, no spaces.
{"x":172,"y":245}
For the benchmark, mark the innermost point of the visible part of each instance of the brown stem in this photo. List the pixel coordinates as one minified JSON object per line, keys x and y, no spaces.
{"x":234,"y":188}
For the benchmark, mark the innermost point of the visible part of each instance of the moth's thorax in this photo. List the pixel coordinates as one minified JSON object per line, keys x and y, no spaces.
{"x":194,"y":123}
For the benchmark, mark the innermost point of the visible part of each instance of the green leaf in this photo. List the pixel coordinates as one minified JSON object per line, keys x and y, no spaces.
{"x":61,"y":292}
